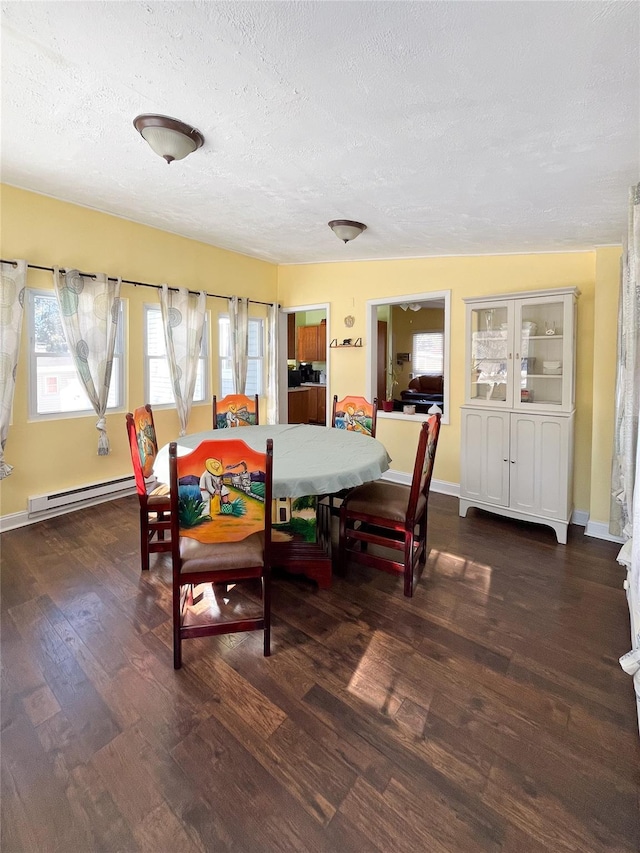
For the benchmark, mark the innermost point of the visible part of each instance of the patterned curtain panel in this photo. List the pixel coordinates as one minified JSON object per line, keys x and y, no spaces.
{"x":183,"y":321}
{"x":273,"y":313}
{"x":628,"y":378}
{"x":239,"y":339}
{"x":89,"y":311}
{"x":11,"y":310}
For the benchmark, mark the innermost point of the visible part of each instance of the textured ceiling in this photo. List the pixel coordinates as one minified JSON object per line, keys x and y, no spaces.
{"x":446,"y":127}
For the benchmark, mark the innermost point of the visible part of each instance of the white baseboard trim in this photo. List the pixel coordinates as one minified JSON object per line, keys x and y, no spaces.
{"x":600,"y":530}
{"x":22,"y":519}
{"x":440,"y":486}
{"x":16,"y":519}
{"x":579,"y":516}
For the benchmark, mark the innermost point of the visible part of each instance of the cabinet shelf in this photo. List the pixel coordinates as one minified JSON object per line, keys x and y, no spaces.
{"x":544,"y":337}
{"x":544,"y":375}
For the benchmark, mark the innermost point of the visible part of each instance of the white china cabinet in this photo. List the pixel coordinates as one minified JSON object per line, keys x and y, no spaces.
{"x":518,"y":416}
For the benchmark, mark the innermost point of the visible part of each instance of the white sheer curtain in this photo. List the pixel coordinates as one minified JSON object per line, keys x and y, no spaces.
{"x":239,"y":340}
{"x":11,"y":310}
{"x":89,"y":311}
{"x":625,"y":510}
{"x":628,"y":378}
{"x":183,"y":316}
{"x":273,"y":314}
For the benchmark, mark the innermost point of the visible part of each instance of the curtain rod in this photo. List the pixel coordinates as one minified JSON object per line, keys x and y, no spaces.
{"x":135,"y":283}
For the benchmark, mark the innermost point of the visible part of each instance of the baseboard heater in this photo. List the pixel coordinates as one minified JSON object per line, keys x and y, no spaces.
{"x":71,"y":499}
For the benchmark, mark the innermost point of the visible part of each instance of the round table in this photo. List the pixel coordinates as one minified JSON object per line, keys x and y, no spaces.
{"x":307,"y":459}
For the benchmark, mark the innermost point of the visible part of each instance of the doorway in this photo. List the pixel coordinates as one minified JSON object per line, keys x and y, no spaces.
{"x":303,"y":368}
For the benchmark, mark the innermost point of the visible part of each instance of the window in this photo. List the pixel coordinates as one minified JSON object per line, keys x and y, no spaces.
{"x":428,"y":353}
{"x":54,"y":388}
{"x":157,"y":381}
{"x":254,"y":362}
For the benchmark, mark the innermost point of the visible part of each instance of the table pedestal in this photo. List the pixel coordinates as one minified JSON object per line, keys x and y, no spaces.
{"x":311,"y":559}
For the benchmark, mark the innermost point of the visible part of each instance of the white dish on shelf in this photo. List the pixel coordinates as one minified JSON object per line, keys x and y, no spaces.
{"x":552,"y":368}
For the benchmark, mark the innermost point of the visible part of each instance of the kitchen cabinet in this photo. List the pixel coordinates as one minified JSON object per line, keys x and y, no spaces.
{"x":317,"y":404}
{"x":518,"y":419}
{"x":312,"y":343}
{"x":298,"y":404}
{"x":291,"y":336}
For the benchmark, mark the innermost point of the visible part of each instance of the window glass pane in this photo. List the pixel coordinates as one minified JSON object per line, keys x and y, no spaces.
{"x":428,"y":353}
{"x":158,"y":379}
{"x":57,"y":387}
{"x":255,"y":357}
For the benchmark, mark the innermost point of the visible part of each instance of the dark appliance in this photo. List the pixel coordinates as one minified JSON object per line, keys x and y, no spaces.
{"x":295,"y":378}
{"x":306,"y":371}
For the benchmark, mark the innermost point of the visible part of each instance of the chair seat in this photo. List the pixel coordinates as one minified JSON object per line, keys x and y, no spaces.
{"x":384,"y":500}
{"x":158,"y":496}
{"x":199,"y":556}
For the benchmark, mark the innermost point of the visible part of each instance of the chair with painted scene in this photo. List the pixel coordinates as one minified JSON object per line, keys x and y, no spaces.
{"x":392,"y":516}
{"x":235,"y":410}
{"x":355,"y":414}
{"x":221,"y":533}
{"x":153,"y":496}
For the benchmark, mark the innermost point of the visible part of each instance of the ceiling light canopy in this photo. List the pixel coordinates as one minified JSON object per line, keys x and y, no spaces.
{"x":168,"y":137}
{"x":346,"y":229}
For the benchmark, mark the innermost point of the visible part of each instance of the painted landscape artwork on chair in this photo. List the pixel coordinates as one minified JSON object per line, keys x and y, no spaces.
{"x":221,"y":492}
{"x":295,"y":519}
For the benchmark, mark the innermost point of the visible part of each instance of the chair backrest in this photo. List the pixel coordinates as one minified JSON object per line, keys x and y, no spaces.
{"x":235,"y":410}
{"x":355,"y":413}
{"x":143,"y":445}
{"x":221,"y":491}
{"x":425,"y":459}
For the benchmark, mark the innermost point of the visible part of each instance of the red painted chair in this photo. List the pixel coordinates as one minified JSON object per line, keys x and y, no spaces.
{"x":153,"y":496}
{"x":356,"y":414}
{"x":235,"y":410}
{"x":388,"y":514}
{"x":221,"y":535}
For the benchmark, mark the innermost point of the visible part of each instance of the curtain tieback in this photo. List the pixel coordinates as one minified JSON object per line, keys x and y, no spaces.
{"x":103,"y":440}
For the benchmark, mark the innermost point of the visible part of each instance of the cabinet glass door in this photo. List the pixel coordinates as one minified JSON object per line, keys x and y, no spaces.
{"x":544,"y":331}
{"x":488,"y":366}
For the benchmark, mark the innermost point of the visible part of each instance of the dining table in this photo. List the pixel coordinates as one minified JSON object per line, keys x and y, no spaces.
{"x":308,"y":462}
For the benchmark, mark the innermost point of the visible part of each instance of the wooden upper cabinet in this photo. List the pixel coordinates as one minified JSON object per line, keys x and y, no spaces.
{"x":291,"y":336}
{"x":312,"y":343}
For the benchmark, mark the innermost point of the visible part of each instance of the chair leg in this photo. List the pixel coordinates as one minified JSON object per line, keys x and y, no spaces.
{"x":342,"y":542}
{"x":408,"y":563}
{"x":144,"y":539}
{"x":266,"y":611}
{"x":177,"y":637}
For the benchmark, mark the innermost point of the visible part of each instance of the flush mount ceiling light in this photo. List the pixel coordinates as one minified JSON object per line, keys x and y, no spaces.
{"x":413,"y":306}
{"x":168,"y":137}
{"x":346,"y":229}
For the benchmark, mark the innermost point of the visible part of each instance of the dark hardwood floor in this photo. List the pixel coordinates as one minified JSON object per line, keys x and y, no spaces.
{"x":488,"y":713}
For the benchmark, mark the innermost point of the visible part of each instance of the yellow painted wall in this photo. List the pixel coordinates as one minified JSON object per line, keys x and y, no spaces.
{"x":49,"y":455}
{"x":347,"y":287}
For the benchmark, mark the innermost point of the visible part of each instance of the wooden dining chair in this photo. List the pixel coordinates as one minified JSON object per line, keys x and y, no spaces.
{"x":393,"y":516}
{"x":221,"y":535}
{"x":235,"y":410}
{"x":152,"y":495}
{"x":355,"y":413}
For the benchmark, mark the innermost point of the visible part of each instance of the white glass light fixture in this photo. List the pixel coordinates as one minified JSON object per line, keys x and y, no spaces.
{"x":346,"y":229}
{"x":413,"y":306}
{"x":168,"y":137}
